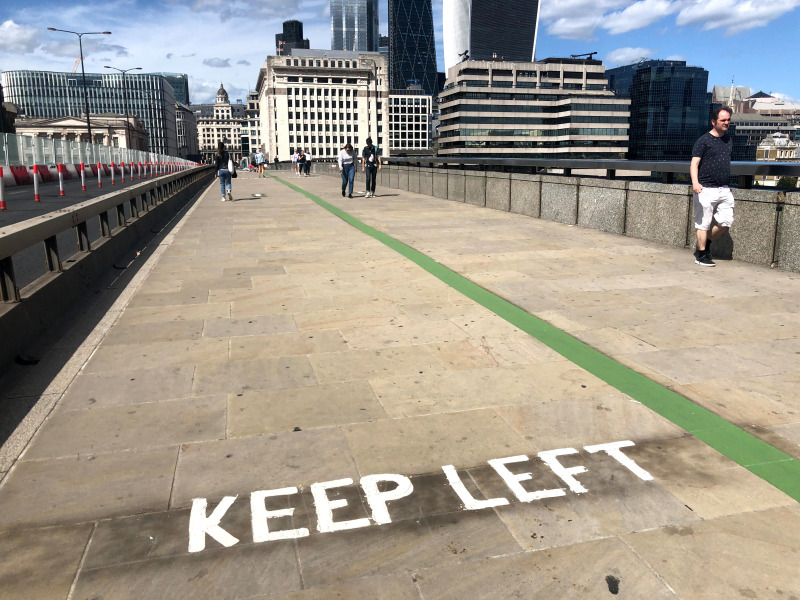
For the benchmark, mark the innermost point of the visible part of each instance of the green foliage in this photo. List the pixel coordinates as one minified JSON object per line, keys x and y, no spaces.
{"x":787,"y":182}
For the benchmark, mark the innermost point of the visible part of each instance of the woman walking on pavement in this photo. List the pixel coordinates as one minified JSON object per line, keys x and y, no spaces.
{"x":301,"y":162}
{"x":347,"y":167}
{"x":221,"y":160}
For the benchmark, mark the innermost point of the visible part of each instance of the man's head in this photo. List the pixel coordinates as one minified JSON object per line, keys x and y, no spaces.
{"x":721,"y":120}
{"x":369,"y":141}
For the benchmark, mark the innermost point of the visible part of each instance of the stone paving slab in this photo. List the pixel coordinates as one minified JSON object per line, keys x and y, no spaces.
{"x":276,"y":357}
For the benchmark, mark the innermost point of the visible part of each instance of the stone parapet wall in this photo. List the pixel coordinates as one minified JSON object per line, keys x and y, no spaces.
{"x":765,"y":232}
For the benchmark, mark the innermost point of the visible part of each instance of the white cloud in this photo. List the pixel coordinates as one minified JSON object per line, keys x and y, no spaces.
{"x":626,"y":56}
{"x":638,"y":15}
{"x":785,"y":97}
{"x":18,"y":38}
{"x":676,"y":57}
{"x":218,"y":63}
{"x":574,"y":28}
{"x":734,"y":16}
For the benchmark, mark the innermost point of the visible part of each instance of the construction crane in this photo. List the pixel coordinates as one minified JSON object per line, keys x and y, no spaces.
{"x":587,"y":56}
{"x":75,"y":66}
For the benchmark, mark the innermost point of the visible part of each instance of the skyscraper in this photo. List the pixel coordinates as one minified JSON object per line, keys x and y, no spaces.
{"x":292,"y":37}
{"x":485,"y":28}
{"x":354,"y":25}
{"x":412,"y":49}
{"x":670,"y":107}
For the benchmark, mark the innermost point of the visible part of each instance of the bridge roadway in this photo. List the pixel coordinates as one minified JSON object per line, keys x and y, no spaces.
{"x":266,"y":345}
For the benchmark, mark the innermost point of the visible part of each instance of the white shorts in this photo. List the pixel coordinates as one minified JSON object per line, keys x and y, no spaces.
{"x":713,"y":204}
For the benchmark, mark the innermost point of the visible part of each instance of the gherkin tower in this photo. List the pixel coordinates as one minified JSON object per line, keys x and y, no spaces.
{"x":412,"y":49}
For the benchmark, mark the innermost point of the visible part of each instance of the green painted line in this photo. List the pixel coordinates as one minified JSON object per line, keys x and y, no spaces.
{"x":754,"y":454}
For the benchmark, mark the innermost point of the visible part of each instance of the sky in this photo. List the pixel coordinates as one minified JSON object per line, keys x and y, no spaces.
{"x":755,"y":43}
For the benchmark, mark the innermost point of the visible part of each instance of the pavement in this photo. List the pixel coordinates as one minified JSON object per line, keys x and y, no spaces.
{"x":408,"y":399}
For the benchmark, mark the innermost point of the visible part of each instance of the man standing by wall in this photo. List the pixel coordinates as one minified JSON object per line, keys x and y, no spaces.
{"x":370,"y":164}
{"x":711,"y":172}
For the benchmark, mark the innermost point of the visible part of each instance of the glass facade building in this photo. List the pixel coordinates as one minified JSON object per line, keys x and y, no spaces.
{"x":47,"y":94}
{"x":412,"y":48}
{"x":354,"y":25}
{"x":670,"y":107}
{"x":292,"y":37}
{"x":488,"y":28}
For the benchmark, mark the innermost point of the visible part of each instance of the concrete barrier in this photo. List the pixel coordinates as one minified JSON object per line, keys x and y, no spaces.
{"x":765,"y":230}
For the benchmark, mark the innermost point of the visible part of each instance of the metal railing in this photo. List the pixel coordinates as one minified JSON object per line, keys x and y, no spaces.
{"x":33,"y":150}
{"x":136,"y":200}
{"x":745,"y":171}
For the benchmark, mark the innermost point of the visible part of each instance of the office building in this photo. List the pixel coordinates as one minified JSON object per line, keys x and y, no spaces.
{"x":186,"y":122}
{"x":220,"y":122}
{"x":670,"y":107}
{"x":292,"y":37}
{"x":321,"y":99}
{"x":556,"y":108}
{"x":354,"y":25}
{"x":180,"y":86}
{"x":412,"y":48}
{"x":48,"y":95}
{"x":251,"y":127}
{"x":487,"y":29}
{"x":749,"y":130}
{"x":410,"y":117}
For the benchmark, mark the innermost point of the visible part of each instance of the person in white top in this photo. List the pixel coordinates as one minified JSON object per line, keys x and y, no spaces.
{"x":295,"y":156}
{"x":347,"y":167}
{"x":260,"y":160}
{"x":308,"y":163}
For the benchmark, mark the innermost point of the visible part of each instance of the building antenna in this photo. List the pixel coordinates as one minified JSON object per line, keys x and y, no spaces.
{"x":730,"y":98}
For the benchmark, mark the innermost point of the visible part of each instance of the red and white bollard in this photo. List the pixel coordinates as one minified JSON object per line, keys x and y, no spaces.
{"x":140,"y":169}
{"x":2,"y":200}
{"x":99,"y":179}
{"x":36,"y":197}
{"x":122,"y":170}
{"x":83,"y":178}
{"x":60,"y":179}
{"x":113,"y":175}
{"x":130,"y":166}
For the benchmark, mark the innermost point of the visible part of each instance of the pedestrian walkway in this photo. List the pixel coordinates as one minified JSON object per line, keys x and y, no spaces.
{"x":287,"y":404}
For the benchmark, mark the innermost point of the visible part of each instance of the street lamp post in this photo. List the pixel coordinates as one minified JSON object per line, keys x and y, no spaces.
{"x":125,"y":95}
{"x":83,"y":72}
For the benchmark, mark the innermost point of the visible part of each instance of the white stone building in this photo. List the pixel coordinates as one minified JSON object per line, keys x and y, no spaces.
{"x":321,"y":99}
{"x":108,"y":130}
{"x":776,"y":147}
{"x":220,"y":122}
{"x":410,"y":116}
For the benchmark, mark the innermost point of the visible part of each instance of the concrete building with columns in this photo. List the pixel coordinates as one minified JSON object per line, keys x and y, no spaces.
{"x":220,"y":122}
{"x":109,"y":128}
{"x":321,"y":99}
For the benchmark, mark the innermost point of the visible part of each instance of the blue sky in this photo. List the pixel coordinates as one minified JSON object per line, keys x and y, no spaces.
{"x":225,"y":41}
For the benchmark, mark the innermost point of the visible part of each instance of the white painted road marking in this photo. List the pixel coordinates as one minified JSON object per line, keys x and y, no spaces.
{"x":201,"y":524}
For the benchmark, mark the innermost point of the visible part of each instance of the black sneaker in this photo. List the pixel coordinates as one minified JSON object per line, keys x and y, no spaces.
{"x":704,"y":260}
{"x":342,"y":193}
{"x":349,"y":195}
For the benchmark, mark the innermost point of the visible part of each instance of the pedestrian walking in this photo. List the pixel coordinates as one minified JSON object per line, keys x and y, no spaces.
{"x":370,"y":165}
{"x":277,"y":163}
{"x":347,"y":167}
{"x":711,"y":172}
{"x":260,"y":160}
{"x":301,"y":163}
{"x":294,"y":161}
{"x":308,"y":162}
{"x":224,"y":166}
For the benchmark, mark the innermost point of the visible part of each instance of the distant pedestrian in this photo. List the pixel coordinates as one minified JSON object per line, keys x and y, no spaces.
{"x":260,"y":160}
{"x":308,"y":163}
{"x":711,"y":171}
{"x":295,"y":156}
{"x":347,"y":167}
{"x":370,"y":165}
{"x":301,"y":162}
{"x":223,"y":165}
{"x":277,"y":163}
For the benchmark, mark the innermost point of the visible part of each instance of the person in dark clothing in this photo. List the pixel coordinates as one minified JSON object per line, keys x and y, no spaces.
{"x":301,"y":162}
{"x":221,"y":160}
{"x":711,"y":171}
{"x":370,"y":165}
{"x":277,"y":163}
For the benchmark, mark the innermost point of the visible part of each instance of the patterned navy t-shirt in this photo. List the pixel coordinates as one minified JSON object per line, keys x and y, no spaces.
{"x":715,"y":159}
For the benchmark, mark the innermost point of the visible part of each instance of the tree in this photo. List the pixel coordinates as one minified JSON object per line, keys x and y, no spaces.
{"x":787,"y":182}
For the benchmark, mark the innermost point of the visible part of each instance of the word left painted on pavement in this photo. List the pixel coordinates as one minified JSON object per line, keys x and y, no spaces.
{"x":201,"y":524}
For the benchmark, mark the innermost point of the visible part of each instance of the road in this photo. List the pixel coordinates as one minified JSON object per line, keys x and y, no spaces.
{"x":20,"y":204}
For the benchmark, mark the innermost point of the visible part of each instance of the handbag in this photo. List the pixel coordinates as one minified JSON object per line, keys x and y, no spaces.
{"x":232,"y":169}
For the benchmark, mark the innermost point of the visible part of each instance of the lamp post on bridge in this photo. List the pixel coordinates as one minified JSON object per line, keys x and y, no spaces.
{"x":125,"y":95}
{"x":83,"y":72}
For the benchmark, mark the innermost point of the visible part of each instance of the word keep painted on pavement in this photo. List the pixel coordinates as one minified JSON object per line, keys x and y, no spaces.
{"x":201,"y":524}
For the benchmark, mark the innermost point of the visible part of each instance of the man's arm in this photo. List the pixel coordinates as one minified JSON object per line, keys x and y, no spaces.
{"x":693,"y":168}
